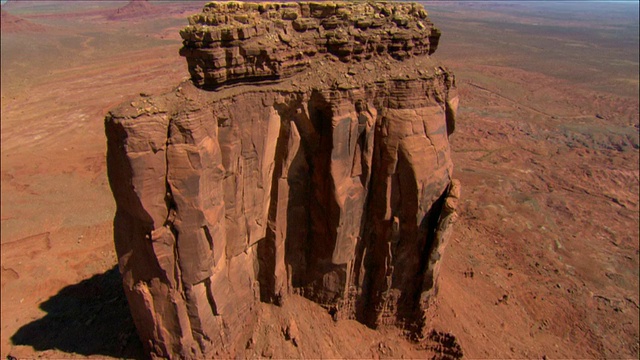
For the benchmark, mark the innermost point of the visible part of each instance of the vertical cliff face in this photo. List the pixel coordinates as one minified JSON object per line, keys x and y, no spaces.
{"x":309,"y":154}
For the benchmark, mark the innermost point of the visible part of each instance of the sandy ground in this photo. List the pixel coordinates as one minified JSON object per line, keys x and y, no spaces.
{"x":544,"y":259}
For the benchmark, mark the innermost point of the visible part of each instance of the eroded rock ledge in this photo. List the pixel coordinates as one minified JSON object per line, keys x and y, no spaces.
{"x":234,"y":41}
{"x":332,"y":180}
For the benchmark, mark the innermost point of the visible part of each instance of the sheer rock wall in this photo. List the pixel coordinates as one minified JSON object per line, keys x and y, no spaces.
{"x":331,"y":179}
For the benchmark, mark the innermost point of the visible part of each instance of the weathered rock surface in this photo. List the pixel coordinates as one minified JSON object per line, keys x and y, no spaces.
{"x":235,"y":41}
{"x":308,"y":169}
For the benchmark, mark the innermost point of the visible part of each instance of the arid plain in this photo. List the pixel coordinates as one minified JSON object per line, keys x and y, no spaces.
{"x":544,"y":258}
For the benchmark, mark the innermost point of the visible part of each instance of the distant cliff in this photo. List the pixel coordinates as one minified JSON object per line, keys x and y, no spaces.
{"x":308,"y":154}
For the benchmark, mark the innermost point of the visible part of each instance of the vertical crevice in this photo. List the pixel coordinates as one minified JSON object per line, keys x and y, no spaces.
{"x":409,"y":240}
{"x":210,"y":299}
{"x":172,"y":209}
{"x":207,"y":235}
{"x":324,"y":208}
{"x":371,"y":268}
{"x":267,"y":247}
{"x":432,"y":218}
{"x":298,"y":182}
{"x":429,"y":227}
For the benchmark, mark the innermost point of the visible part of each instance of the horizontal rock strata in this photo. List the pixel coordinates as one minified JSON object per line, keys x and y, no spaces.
{"x":235,"y":41}
{"x":332,"y":179}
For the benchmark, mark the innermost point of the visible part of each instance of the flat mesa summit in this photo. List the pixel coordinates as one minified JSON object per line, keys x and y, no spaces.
{"x":308,"y":154}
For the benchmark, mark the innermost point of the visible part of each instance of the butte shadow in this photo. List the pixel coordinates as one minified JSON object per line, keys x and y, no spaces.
{"x":87,"y":318}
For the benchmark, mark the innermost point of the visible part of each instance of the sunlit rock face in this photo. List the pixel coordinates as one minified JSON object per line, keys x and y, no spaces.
{"x":308,"y":154}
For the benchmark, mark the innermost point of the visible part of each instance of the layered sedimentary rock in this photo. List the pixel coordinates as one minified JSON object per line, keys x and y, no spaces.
{"x":290,"y":163}
{"x":236,"y":41}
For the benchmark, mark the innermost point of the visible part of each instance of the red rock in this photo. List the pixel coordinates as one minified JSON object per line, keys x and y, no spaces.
{"x":339,"y":189}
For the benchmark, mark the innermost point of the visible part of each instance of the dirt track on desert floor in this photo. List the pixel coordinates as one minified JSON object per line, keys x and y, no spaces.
{"x":544,"y":258}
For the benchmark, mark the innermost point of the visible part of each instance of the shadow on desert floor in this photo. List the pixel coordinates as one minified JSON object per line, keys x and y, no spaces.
{"x":88,"y":318}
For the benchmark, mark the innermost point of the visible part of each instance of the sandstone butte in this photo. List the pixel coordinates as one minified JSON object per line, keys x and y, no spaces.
{"x":308,"y":154}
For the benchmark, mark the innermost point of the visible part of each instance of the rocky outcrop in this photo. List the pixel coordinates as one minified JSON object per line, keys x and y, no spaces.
{"x":322,"y":172}
{"x":235,"y":41}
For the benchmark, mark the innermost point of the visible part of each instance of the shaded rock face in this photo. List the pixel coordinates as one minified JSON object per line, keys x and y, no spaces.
{"x":331,"y":178}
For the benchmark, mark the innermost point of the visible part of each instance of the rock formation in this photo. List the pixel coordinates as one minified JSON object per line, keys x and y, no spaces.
{"x":135,"y":9}
{"x":308,"y":154}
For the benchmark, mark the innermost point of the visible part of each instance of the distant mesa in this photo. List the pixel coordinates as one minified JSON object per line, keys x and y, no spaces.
{"x":134,"y":9}
{"x":12,"y":24}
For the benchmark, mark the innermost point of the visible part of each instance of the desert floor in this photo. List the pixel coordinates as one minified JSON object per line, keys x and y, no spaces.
{"x":544,"y":260}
